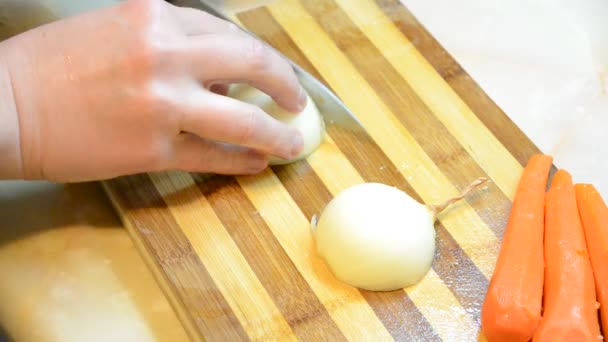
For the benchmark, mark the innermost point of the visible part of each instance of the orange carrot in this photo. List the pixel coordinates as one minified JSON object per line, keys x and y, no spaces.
{"x":570,"y":312}
{"x":594,"y":215}
{"x":512,"y":307}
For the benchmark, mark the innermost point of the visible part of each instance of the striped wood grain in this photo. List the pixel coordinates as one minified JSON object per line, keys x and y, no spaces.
{"x":235,"y":254}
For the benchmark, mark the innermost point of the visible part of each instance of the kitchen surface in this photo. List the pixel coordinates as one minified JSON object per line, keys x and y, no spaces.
{"x":73,"y":272}
{"x":545,"y":63}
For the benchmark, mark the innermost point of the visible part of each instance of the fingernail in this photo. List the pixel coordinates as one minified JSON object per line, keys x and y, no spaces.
{"x":297,"y":144}
{"x":302,"y":100}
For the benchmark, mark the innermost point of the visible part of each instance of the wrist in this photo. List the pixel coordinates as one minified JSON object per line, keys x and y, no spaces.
{"x":10,"y":146}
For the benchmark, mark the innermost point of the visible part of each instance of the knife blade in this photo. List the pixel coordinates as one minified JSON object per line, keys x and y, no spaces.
{"x":333,"y":110}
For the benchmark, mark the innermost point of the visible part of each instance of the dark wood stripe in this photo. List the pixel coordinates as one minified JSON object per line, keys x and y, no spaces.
{"x":460,"y":274}
{"x":520,"y":146}
{"x":391,"y":304}
{"x":311,"y":195}
{"x":396,"y":311}
{"x":374,"y":166}
{"x":439,"y":144}
{"x":303,"y":311}
{"x":172,"y":252}
{"x":453,"y":266}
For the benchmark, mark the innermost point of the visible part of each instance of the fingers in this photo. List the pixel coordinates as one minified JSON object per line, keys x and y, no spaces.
{"x":227,"y":54}
{"x":193,"y":154}
{"x":233,"y":58}
{"x":224,"y":119}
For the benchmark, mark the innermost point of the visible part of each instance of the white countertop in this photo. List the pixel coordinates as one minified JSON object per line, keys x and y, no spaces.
{"x":545,"y":63}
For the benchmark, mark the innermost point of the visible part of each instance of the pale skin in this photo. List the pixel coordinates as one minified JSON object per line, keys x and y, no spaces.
{"x":139,"y":87}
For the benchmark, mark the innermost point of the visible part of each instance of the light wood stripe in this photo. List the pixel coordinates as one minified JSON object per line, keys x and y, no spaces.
{"x":439,"y":144}
{"x":348,"y":308}
{"x":167,"y":286}
{"x":457,"y":117}
{"x":518,"y":144}
{"x":397,"y":312}
{"x":229,"y":269}
{"x":475,"y":238}
{"x":390,"y":305}
{"x":298,"y":304}
{"x":172,"y":253}
{"x":266,"y":27}
{"x":365,"y":157}
{"x":453,"y":263}
{"x":437,"y":291}
{"x":444,"y":310}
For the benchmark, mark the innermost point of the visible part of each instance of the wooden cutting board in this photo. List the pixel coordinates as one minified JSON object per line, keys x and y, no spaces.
{"x":235,"y":254}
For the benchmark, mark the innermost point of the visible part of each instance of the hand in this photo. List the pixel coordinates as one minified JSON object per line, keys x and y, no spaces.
{"x":139,"y":87}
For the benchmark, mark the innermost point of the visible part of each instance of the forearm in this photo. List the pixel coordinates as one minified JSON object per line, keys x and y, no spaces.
{"x":10,"y":152}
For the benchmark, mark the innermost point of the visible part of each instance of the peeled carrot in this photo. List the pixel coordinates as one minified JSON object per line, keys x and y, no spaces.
{"x":570,"y":312}
{"x":512,"y":307}
{"x":594,"y":215}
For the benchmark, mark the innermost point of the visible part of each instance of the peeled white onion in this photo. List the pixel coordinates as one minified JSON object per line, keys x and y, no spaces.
{"x":309,"y":121}
{"x":376,"y":237}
